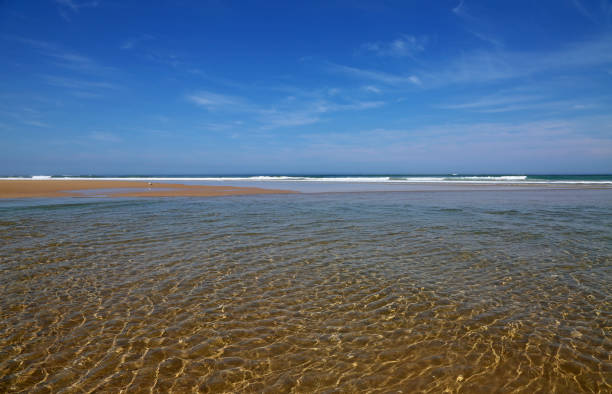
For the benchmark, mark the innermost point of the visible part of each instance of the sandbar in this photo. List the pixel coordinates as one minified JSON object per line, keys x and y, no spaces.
{"x":32,"y":188}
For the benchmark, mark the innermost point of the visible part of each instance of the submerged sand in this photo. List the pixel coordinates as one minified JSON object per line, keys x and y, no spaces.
{"x":480,"y":292}
{"x":29,"y":188}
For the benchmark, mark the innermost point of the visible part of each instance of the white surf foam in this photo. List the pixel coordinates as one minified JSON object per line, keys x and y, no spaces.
{"x":502,"y":179}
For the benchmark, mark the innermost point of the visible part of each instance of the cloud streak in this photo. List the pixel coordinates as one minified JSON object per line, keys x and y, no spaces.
{"x":481,"y":66}
{"x":133,"y":42}
{"x":372,"y":89}
{"x":101,"y":136}
{"x":214,"y":101}
{"x":379,"y":76}
{"x":289,"y":113}
{"x":404,"y":46}
{"x":71,"y":83}
{"x":494,"y":101}
{"x":63,"y":58}
{"x":76,"y":6}
{"x":494,"y":145}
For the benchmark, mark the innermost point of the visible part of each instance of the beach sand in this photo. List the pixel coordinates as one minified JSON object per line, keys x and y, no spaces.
{"x":28,"y":188}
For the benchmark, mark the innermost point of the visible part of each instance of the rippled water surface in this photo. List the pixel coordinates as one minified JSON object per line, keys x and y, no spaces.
{"x":467,"y":291}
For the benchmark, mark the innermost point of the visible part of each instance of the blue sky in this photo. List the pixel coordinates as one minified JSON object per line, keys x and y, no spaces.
{"x":243,"y":87}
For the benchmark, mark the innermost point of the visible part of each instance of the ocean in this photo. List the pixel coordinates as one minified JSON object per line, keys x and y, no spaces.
{"x":465,"y":289}
{"x":604,"y":179}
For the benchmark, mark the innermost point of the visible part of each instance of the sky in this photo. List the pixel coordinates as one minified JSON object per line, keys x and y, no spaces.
{"x":319,"y":87}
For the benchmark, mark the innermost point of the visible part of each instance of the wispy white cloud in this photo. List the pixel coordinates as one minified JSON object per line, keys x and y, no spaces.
{"x":131,"y":43}
{"x":102,"y":136}
{"x":64,"y":58}
{"x":325,"y":106}
{"x":580,"y":106}
{"x":271,"y":119}
{"x":511,"y":146}
{"x":493,"y":101}
{"x":598,"y":13}
{"x":74,"y":6}
{"x":37,"y":44}
{"x":285,"y":113}
{"x":223,"y":126}
{"x":25,"y":115}
{"x":161,"y":118}
{"x":405,"y":45}
{"x":214,"y":101}
{"x":479,"y":27}
{"x":171,"y":59}
{"x":583,"y":10}
{"x":553,"y":105}
{"x":493,"y":65}
{"x":86,"y":95}
{"x":379,"y":76}
{"x":372,"y":89}
{"x":309,"y":113}
{"x":81,"y":88}
{"x":460,"y":9}
{"x":79,"y":84}
{"x":524,"y":98}
{"x":37,"y":123}
{"x":79,"y":63}
{"x":488,"y":38}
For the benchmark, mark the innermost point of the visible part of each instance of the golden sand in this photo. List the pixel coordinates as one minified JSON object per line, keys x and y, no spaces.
{"x":78,"y":188}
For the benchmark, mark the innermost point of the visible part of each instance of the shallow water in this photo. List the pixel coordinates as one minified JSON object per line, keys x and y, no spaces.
{"x":466,"y":291}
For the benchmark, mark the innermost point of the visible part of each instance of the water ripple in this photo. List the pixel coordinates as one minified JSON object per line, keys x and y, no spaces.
{"x":390,"y":293}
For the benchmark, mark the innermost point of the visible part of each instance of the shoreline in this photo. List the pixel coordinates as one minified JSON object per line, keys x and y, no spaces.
{"x":50,"y":188}
{"x":83,"y":188}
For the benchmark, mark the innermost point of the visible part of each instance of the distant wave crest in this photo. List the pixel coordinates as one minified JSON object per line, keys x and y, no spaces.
{"x":390,"y":179}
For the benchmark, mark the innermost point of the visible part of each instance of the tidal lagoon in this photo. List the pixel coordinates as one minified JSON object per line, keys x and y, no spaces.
{"x":458,"y":291}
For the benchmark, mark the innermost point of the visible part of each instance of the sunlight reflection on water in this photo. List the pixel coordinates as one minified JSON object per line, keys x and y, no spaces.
{"x":461,"y":291}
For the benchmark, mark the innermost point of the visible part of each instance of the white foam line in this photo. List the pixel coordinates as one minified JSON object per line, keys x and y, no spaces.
{"x":510,"y":179}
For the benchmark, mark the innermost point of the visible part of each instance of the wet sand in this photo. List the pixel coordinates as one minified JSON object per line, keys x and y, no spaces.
{"x":28,"y":188}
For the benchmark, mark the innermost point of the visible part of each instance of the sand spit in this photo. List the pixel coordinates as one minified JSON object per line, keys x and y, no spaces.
{"x":28,"y":188}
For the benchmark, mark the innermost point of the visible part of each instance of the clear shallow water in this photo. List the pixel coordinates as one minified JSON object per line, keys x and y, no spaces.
{"x":355,"y":187}
{"x":469,"y":291}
